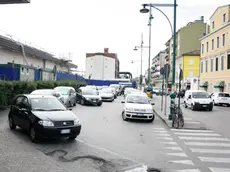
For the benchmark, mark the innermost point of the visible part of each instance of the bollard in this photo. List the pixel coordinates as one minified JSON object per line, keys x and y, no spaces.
{"x":172,"y":104}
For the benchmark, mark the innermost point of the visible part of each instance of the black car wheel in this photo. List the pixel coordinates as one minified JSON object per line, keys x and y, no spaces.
{"x":72,"y":138}
{"x":74,"y":104}
{"x":82,"y":102}
{"x":99,"y":104}
{"x":11,"y":123}
{"x":124,"y":117}
{"x":185,"y":105}
{"x":193,"y":107}
{"x":33,"y":135}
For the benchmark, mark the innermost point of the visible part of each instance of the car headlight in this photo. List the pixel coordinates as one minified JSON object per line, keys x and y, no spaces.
{"x":99,"y":98}
{"x":46,"y":123}
{"x":87,"y":98}
{"x":77,"y":122}
{"x":129,"y":109}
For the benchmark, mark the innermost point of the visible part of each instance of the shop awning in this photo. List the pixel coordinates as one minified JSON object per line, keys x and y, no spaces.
{"x":204,"y":84}
{"x":219,"y":84}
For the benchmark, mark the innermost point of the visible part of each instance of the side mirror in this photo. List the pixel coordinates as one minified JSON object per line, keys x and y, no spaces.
{"x":122,"y":101}
{"x":70,"y":109}
{"x":152,"y":103}
{"x":189,"y":97}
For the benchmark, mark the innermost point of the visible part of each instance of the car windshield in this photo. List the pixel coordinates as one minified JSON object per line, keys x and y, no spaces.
{"x":46,"y":104}
{"x":89,"y":92}
{"x":43,"y":92}
{"x":200,"y":95}
{"x":137,"y":99}
{"x":224,"y":95}
{"x":62,"y":90}
{"x":106,"y":91}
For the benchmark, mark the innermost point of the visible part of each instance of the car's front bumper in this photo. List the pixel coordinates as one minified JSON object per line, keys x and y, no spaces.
{"x":55,"y":132}
{"x":203,"y":106}
{"x":91,"y":102}
{"x":141,"y":116}
{"x":104,"y":99}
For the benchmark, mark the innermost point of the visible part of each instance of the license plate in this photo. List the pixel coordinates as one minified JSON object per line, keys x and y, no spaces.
{"x":204,"y":105}
{"x":140,"y":114}
{"x":94,"y":101}
{"x":65,"y":131}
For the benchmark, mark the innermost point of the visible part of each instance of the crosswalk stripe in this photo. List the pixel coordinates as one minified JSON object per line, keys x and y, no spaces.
{"x":144,"y":168}
{"x":158,"y":128}
{"x":177,"y":154}
{"x":188,"y":119}
{"x":197,"y":134}
{"x":160,"y":134}
{"x":203,"y":138}
{"x":219,"y":169}
{"x":214,"y":159}
{"x":165,"y":138}
{"x":160,"y":131}
{"x":207,"y":144}
{"x":187,"y":162}
{"x":194,"y":131}
{"x":169,"y":143}
{"x":215,"y":151}
{"x":173,"y":148}
{"x":188,"y":170}
{"x":191,"y":122}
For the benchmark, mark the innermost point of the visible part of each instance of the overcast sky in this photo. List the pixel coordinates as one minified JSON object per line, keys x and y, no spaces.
{"x":87,"y":26}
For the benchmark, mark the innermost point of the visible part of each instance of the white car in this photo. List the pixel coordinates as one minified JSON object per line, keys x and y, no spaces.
{"x":221,"y":98}
{"x":196,"y":99}
{"x":106,"y":95}
{"x":138,"y":107}
{"x":127,"y":91}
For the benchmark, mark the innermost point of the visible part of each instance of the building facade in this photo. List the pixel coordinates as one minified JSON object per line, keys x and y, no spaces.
{"x":104,"y":66}
{"x":187,"y":40}
{"x":215,"y":53}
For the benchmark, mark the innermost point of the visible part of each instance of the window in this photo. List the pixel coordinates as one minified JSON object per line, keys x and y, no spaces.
{"x":19,"y":100}
{"x":210,"y":88}
{"x":217,"y":42}
{"x":216,"y":63}
{"x":191,"y":73}
{"x":22,"y":70}
{"x":191,"y":61}
{"x":201,"y":67}
{"x":223,"y":40}
{"x":222,"y":63}
{"x":206,"y":65}
{"x":224,"y":18}
{"x":228,"y":61}
{"x":202,"y":48}
{"x":211,"y":64}
{"x":212,"y":44}
{"x":27,"y":71}
{"x":207,"y":46}
{"x":213,"y":25}
{"x":25,"y":103}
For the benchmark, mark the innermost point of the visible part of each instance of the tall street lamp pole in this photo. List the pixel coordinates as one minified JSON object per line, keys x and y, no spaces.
{"x":150,"y":36}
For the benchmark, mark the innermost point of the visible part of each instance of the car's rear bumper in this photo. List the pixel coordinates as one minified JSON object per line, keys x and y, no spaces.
{"x":140,"y":116}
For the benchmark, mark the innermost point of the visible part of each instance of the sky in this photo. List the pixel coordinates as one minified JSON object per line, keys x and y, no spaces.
{"x":88,"y":26}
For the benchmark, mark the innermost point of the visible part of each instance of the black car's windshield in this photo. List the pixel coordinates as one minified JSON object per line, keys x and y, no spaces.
{"x":62,"y":90}
{"x":46,"y":104}
{"x":89,"y":92}
{"x":43,"y":92}
{"x":200,"y":95}
{"x":137,"y":99}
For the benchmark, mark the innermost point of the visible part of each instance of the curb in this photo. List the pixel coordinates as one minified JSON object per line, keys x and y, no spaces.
{"x":162,"y":119}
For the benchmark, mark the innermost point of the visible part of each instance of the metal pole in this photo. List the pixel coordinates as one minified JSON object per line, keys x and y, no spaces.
{"x":162,"y":94}
{"x":150,"y":27}
{"x":174,"y":48}
{"x":141,"y":58}
{"x":166,"y":88}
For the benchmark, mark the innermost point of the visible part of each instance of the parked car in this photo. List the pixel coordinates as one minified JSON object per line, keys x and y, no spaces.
{"x":122,"y":89}
{"x":106,"y":95}
{"x":113,"y":90}
{"x":116,"y":86}
{"x":49,"y":92}
{"x":221,"y":98}
{"x":137,"y":107}
{"x":69,"y":95}
{"x":155,"y":90}
{"x":127,"y":91}
{"x":43,"y":116}
{"x":196,"y":99}
{"x":88,"y":96}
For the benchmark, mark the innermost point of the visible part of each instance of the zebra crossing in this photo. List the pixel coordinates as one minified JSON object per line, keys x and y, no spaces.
{"x":195,"y":150}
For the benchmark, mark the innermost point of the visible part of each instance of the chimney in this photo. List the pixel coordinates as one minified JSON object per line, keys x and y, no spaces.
{"x":106,"y":50}
{"x":202,"y":18}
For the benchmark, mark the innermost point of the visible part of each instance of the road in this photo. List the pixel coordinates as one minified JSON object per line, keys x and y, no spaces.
{"x":107,"y":144}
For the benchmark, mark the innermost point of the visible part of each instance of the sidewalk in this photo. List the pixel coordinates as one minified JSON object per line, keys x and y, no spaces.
{"x":189,"y":123}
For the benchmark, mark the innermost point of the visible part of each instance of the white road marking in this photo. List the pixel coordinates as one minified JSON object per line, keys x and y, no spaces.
{"x":169,"y":143}
{"x":144,"y":168}
{"x":158,"y":128}
{"x":191,"y":122}
{"x":160,"y":131}
{"x":165,"y":138}
{"x":219,"y":169}
{"x":173,"y":148}
{"x":197,"y":134}
{"x":214,"y":159}
{"x":188,"y":170}
{"x":160,"y":134}
{"x":188,"y":119}
{"x":187,"y":162}
{"x":204,"y":138}
{"x":177,"y":154}
{"x":215,"y":151}
{"x":207,"y":144}
{"x":194,"y":131}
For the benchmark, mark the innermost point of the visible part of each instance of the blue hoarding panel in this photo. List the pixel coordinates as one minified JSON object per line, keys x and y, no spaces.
{"x":9,"y":73}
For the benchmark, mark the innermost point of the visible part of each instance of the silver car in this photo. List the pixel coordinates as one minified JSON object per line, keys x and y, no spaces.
{"x":69,"y":95}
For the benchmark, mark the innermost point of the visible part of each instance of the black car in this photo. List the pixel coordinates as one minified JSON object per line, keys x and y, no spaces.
{"x":88,"y":96}
{"x":43,"y":116}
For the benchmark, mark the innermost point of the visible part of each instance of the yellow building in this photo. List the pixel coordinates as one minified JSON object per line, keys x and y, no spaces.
{"x":215,"y":53}
{"x":190,"y":64}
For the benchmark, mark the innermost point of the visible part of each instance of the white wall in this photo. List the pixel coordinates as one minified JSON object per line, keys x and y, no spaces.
{"x":100,"y":67}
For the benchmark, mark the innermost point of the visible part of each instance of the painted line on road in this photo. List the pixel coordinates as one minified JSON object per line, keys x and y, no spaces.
{"x":177,"y":154}
{"x":170,"y":143}
{"x":212,"y":151}
{"x":188,"y":119}
{"x":194,"y":131}
{"x":188,"y":170}
{"x":165,"y":135}
{"x":165,"y":138}
{"x":159,"y":131}
{"x":159,"y":128}
{"x":203,"y":138}
{"x":213,"y":169}
{"x":192,"y":122}
{"x":173,"y":148}
{"x":207,"y":144}
{"x":214,"y":159}
{"x":197,"y":134}
{"x":186,"y":162}
{"x":144,"y":168}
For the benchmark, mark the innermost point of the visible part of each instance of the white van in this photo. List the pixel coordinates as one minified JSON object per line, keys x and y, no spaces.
{"x":196,"y":99}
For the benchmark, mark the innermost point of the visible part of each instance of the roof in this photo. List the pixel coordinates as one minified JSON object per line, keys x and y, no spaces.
{"x":11,"y":44}
{"x":219,"y":8}
{"x":111,"y":55}
{"x":36,"y":96}
{"x":192,"y":53}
